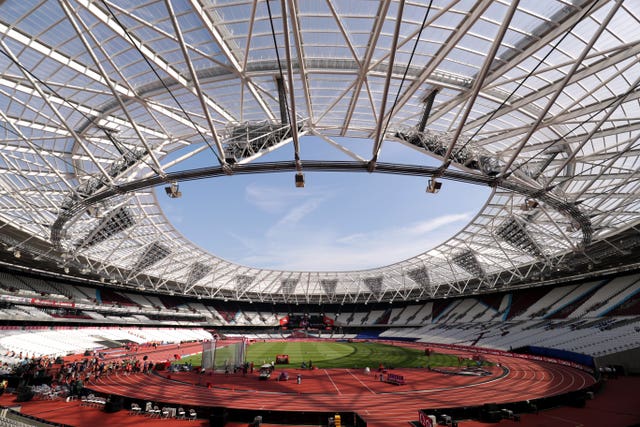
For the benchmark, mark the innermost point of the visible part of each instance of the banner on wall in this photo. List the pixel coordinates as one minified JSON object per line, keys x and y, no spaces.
{"x":516,"y":355}
{"x":52,"y":303}
{"x":426,"y":420}
{"x":328,"y":321}
{"x":284,"y":321}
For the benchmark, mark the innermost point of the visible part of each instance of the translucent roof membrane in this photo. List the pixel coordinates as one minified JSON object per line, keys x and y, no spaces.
{"x":538,"y":99}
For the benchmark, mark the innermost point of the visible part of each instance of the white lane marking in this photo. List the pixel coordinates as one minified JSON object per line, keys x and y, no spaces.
{"x":331,"y":379}
{"x":360,"y":381}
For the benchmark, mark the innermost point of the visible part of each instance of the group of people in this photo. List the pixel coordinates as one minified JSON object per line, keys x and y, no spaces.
{"x":93,"y":368}
{"x":22,"y":369}
{"x":68,"y":378}
{"x":25,"y":366}
{"x":245,"y":368}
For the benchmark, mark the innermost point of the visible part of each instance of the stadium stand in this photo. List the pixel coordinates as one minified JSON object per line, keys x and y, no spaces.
{"x":106,"y":107}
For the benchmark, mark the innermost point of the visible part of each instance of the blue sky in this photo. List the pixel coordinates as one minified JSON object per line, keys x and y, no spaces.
{"x":337,"y":222}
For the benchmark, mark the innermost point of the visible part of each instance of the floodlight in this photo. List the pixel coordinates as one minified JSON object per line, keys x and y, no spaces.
{"x":434,"y":186}
{"x":93,"y":211}
{"x":173,"y":190}
{"x":572,"y":227}
{"x":530,"y":204}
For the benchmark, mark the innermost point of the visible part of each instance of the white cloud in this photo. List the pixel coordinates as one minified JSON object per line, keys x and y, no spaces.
{"x":435,"y":223}
{"x":271,"y":199}
{"x":289,"y":207}
{"x":247,"y":243}
{"x":352,"y":238}
{"x":298,"y":248}
{"x":295,"y":215}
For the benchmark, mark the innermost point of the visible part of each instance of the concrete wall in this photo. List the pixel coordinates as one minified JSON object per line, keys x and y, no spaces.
{"x":630,"y":359}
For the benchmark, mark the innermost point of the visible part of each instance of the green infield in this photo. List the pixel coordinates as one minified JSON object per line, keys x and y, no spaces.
{"x":331,"y":354}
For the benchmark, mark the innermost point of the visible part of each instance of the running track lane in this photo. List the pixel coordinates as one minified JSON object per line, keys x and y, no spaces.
{"x":525,"y":380}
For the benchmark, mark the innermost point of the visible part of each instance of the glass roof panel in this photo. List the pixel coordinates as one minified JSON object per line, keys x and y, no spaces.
{"x":69,"y":137}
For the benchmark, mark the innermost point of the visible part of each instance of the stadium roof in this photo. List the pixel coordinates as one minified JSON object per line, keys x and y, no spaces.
{"x":537,"y":99}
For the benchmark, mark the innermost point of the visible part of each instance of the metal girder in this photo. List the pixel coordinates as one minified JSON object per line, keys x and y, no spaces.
{"x":148,"y":52}
{"x":479,"y":81}
{"x":455,"y":36}
{"x":364,"y":65}
{"x":229,"y":52}
{"x":542,"y":38}
{"x":196,"y":83}
{"x":381,"y":124}
{"x":295,"y":26}
{"x":66,"y":7}
{"x":561,"y":84}
{"x":580,"y":165}
{"x":293,"y":118}
{"x":555,"y":88}
{"x":595,"y":128}
{"x":60,"y":117}
{"x":37,"y":150}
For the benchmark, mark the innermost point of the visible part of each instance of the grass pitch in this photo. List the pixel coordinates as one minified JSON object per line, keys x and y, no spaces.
{"x":331,"y":354}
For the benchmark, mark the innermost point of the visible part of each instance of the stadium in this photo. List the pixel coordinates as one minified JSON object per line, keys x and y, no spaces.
{"x":529,"y":313}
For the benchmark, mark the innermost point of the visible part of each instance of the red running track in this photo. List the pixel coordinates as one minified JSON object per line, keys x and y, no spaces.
{"x":380,"y":404}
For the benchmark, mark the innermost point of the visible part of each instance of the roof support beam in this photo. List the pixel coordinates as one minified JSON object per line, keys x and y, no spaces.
{"x":293,"y":118}
{"x":35,"y":149}
{"x":107,"y":20}
{"x":603,"y":172}
{"x":57,"y":56}
{"x":447,"y":46}
{"x":210,"y":25}
{"x":282,"y":100}
{"x":36,"y":215}
{"x":479,"y":81}
{"x":580,"y":112}
{"x":380,"y":125}
{"x":196,"y":83}
{"x":341,"y":147}
{"x":63,"y":120}
{"x":379,"y":19}
{"x":586,"y":138}
{"x":79,"y":107}
{"x":428,"y":105}
{"x":561,"y":85}
{"x":79,"y":33}
{"x":556,"y":87}
{"x":302,"y":68}
{"x":542,"y":41}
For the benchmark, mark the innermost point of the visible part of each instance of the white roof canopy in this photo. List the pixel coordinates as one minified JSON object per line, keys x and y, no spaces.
{"x":538,"y":99}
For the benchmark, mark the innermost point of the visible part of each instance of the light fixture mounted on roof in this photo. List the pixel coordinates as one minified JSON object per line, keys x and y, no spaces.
{"x":530,"y":204}
{"x":173,"y":190}
{"x":93,"y":211}
{"x":573,"y":226}
{"x":434,"y":186}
